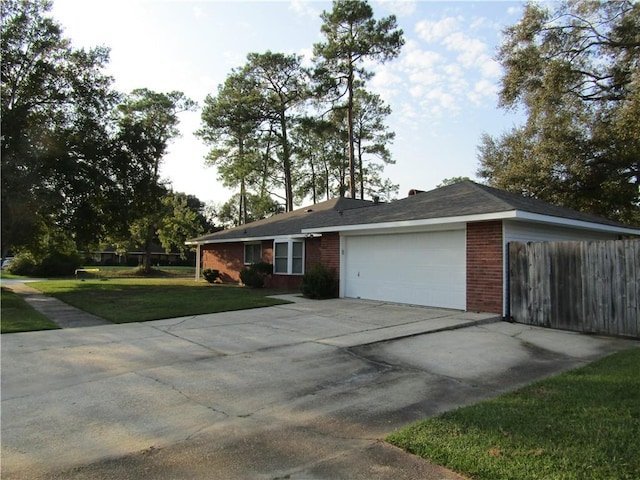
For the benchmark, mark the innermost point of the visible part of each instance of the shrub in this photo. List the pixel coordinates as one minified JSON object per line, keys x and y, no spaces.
{"x":22,"y":265}
{"x":210,"y":275}
{"x":58,"y":265}
{"x":253,"y":275}
{"x":263,"y":268}
{"x":319,"y":282}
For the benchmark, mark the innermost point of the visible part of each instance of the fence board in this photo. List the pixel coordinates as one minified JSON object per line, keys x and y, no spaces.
{"x":583,"y":286}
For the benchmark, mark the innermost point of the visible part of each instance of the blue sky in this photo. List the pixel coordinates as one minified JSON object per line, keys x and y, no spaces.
{"x":442,"y":88}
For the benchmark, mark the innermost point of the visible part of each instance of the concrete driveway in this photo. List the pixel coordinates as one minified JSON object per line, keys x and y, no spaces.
{"x":299,"y":391}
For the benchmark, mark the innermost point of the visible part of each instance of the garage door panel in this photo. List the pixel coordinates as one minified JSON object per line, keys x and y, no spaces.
{"x":417,"y":268}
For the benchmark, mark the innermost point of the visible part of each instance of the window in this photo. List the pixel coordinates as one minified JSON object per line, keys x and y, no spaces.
{"x":288,"y":257}
{"x":252,"y":253}
{"x":296,"y":258}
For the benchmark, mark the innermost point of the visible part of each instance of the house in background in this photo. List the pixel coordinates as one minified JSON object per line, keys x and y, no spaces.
{"x":442,"y":248}
{"x":134,"y":257}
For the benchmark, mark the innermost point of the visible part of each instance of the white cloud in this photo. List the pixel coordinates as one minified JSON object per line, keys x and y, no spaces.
{"x":490,"y":68}
{"x":400,"y":8}
{"x":307,"y":56}
{"x":304,"y":8}
{"x":421,"y":59}
{"x":482,"y":90}
{"x":434,"y":31}
{"x":386,"y":82}
{"x":417,"y":91}
{"x":471,"y":48}
{"x":426,"y":77}
{"x":437,"y":102}
{"x":456,"y":70}
{"x":453,"y":70}
{"x":198,"y":12}
{"x":515,"y":10}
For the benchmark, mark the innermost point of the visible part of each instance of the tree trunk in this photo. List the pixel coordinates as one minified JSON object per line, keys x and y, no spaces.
{"x":327,"y":177}
{"x":242,"y":206}
{"x":286,"y":162}
{"x":352,"y":169}
{"x":313,"y":182}
{"x":360,"y":168}
{"x":146,"y":258}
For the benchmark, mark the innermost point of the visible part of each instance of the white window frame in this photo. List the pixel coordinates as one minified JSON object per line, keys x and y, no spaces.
{"x":289,"y":242}
{"x":246,"y":262}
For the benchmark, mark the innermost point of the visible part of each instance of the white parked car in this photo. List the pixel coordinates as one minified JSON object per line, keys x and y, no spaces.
{"x":6,"y":262}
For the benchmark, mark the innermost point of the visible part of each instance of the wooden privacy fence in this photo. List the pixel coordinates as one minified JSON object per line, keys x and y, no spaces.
{"x":582,"y":286}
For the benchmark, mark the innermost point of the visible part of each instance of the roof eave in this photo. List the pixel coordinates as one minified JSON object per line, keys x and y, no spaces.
{"x":403,"y":224}
{"x":506,"y":215}
{"x":242,"y":239}
{"x":582,"y":224}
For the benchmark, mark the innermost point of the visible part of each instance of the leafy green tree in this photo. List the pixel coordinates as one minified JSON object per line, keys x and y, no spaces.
{"x":353,"y":36}
{"x":451,"y":181}
{"x":283,"y":84}
{"x":56,"y":166}
{"x":148,"y":123}
{"x":313,"y":144}
{"x":576,"y":73}
{"x":231,"y":126}
{"x":322,"y":144}
{"x":372,"y":137}
{"x":258,"y":207}
{"x":180,"y":222}
{"x":204,"y":220}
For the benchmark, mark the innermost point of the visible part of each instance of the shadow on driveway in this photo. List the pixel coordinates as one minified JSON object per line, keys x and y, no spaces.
{"x":305,"y":390}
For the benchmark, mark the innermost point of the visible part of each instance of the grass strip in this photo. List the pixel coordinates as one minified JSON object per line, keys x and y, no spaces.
{"x":123,"y":300}
{"x":18,"y":316}
{"x":583,"y":424}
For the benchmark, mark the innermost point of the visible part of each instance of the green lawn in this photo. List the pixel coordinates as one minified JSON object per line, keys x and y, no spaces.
{"x":124,"y":300}
{"x":18,"y":316}
{"x":584,"y":424}
{"x":119,"y":271}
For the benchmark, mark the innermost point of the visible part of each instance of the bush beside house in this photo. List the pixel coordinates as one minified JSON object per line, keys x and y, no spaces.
{"x":253,"y":276}
{"x":319,"y":283}
{"x":211,"y":275}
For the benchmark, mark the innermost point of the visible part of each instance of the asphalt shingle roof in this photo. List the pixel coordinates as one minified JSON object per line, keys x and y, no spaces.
{"x":460,"y":199}
{"x":289,"y":223}
{"x":457,"y":200}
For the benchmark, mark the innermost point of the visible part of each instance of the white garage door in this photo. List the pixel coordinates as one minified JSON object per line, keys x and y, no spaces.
{"x":416,"y":268}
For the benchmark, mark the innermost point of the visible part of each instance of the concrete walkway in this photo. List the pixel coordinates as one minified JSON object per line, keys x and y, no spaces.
{"x":63,"y":314}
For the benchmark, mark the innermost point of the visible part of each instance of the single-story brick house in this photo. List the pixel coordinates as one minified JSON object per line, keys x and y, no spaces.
{"x":442,"y":248}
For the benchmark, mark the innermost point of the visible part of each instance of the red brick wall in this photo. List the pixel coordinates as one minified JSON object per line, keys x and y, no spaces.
{"x":284,"y":282}
{"x":484,"y":267}
{"x":330,"y":251}
{"x":312,"y":251}
{"x":228,"y":258}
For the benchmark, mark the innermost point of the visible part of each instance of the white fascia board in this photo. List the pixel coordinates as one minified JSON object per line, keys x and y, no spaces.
{"x":229,"y":240}
{"x":413,"y":223}
{"x":568,"y":222}
{"x":444,"y":221}
{"x":245,"y":239}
